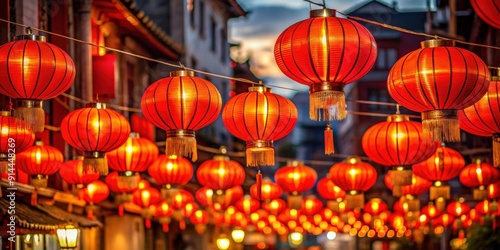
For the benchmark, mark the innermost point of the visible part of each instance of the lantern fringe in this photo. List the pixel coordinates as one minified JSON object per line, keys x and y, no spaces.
{"x":397,"y":191}
{"x":164,"y":227}
{"x":333,"y":205}
{"x":38,"y":182}
{"x":413,"y":204}
{"x":440,"y":191}
{"x":96,"y":165}
{"x":200,"y":228}
{"x":33,"y":116}
{"x":182,"y":224}
{"x":295,"y":201}
{"x":441,"y":129}
{"x":496,"y":150}
{"x":327,"y":105}
{"x":401,"y":177}
{"x":493,"y":206}
{"x":91,"y":211}
{"x":182,"y":146}
{"x":219,"y":199}
{"x":34,"y":197}
{"x":329,"y":140}
{"x":355,"y":200}
{"x":123,"y":198}
{"x":121,"y":210}
{"x":177,"y":215}
{"x":257,"y":157}
{"x":128,"y":182}
{"x":147,"y":223}
{"x":168,"y":194}
{"x":479,"y":194}
{"x":4,"y":167}
{"x":440,"y":204}
{"x":457,"y":223}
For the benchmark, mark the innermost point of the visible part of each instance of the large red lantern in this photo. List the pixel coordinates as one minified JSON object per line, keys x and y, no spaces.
{"x":332,"y":193}
{"x":355,"y":177}
{"x":72,"y":172}
{"x":488,"y":11}
{"x":267,"y":191}
{"x":259,"y":117}
{"x":32,"y":71}
{"x":479,"y":175}
{"x":483,"y":118}
{"x":443,"y":166}
{"x":446,"y":78}
{"x":375,"y":206}
{"x":295,"y":178}
{"x":458,"y":208}
{"x":171,"y":172}
{"x":132,"y":157}
{"x":16,"y":136}
{"x":325,"y":52}
{"x":39,"y":161}
{"x":181,"y":104}
{"x":95,"y":130}
{"x":398,"y":143}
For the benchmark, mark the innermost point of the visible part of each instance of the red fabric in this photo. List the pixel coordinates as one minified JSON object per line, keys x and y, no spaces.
{"x":264,"y":116}
{"x":199,"y":217}
{"x":444,"y":165}
{"x":359,"y":176}
{"x":171,"y":170}
{"x":44,"y":160}
{"x":494,"y":190}
{"x":181,"y":102}
{"x":398,"y":143}
{"x":475,"y":175}
{"x":269,"y":190}
{"x":146,"y":197}
{"x":72,"y":172}
{"x":247,"y":205}
{"x":295,"y":179}
{"x":181,"y":198}
{"x":311,"y":206}
{"x":375,"y":207}
{"x":163,"y":209}
{"x":488,"y":11}
{"x":143,"y":127}
{"x":483,"y":118}
{"x":418,"y":185}
{"x":112,"y":182}
{"x":135,"y":155}
{"x":457,"y":208}
{"x":93,"y":129}
{"x":438,"y":78}
{"x":431,"y":211}
{"x":325,"y":49}
{"x":21,"y":133}
{"x":96,"y":192}
{"x":220,"y":173}
{"x":328,"y":190}
{"x":202,"y":196}
{"x":34,"y":70}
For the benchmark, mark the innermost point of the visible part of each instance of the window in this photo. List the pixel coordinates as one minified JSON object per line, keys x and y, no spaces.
{"x":213,"y":26}
{"x":223,"y":46}
{"x":202,"y":19}
{"x":191,"y":8}
{"x":378,"y":95}
{"x":381,"y":59}
{"x":386,"y":58}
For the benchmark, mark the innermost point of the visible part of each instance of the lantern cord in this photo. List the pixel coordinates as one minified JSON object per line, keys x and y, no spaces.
{"x":318,"y":4}
{"x":118,"y":107}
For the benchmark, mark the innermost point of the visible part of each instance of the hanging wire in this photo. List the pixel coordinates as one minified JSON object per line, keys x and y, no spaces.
{"x":315,"y":3}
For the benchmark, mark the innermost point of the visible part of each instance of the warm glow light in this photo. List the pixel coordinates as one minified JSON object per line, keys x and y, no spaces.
{"x":145,"y":196}
{"x":296,"y":238}
{"x":223,"y":242}
{"x":352,"y":171}
{"x":331,"y":235}
{"x":238,"y":235}
{"x":67,"y":237}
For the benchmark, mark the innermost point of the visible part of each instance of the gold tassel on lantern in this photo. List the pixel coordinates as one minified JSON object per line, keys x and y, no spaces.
{"x":438,"y":190}
{"x":260,"y":153}
{"x":38,"y":180}
{"x":412,"y":202}
{"x":128,"y":180}
{"x":440,"y":204}
{"x":401,"y":176}
{"x":200,"y":228}
{"x":327,"y":101}
{"x":165,"y":221}
{"x":333,"y":205}
{"x":493,"y":206}
{"x":397,"y":191}
{"x":32,"y":113}
{"x":181,"y":143}
{"x":329,"y":141}
{"x":442,"y":124}
{"x":295,"y":201}
{"x":219,"y":197}
{"x":355,"y":199}
{"x":168,"y":192}
{"x":480,"y":193}
{"x":496,"y":150}
{"x":95,"y":162}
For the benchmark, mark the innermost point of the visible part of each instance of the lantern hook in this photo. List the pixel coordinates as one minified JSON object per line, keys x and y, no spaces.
{"x":397,"y":109}
{"x":28,"y":30}
{"x":182,"y":66}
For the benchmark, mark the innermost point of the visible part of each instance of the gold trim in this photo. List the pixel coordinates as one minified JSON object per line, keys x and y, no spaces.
{"x":437,"y":43}
{"x":323,"y":13}
{"x":31,"y":37}
{"x":29,"y":103}
{"x":180,"y":133}
{"x":326,"y":86}
{"x":398,"y":118}
{"x":94,"y":154}
{"x":182,"y":73}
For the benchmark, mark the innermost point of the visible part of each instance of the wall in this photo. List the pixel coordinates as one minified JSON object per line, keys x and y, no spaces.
{"x":124,"y":233}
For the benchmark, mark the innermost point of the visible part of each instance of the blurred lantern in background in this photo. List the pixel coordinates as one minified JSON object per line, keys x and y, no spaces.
{"x":146,"y":198}
{"x":171,"y":172}
{"x":488,"y":11}
{"x":478,"y":175}
{"x":332,"y":193}
{"x":410,"y":193}
{"x":39,"y":161}
{"x":72,"y":172}
{"x":123,"y":194}
{"x":268,"y":190}
{"x":94,"y":193}
{"x":164,"y":211}
{"x":200,"y":220}
{"x":16,"y":136}
{"x":295,"y":178}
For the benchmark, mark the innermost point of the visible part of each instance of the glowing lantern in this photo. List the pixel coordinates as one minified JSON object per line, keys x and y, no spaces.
{"x":494,"y":190}
{"x":332,"y":193}
{"x":199,"y":219}
{"x":447,"y":79}
{"x":180,"y":201}
{"x":444,"y":165}
{"x":72,"y":173}
{"x":295,"y":178}
{"x":146,"y":198}
{"x":33,"y":71}
{"x":123,"y":194}
{"x":268,"y":190}
{"x":444,"y":220}
{"x":275,"y":206}
{"x":15,"y":137}
{"x":355,"y":177}
{"x":375,"y":206}
{"x":39,"y":161}
{"x":311,"y":206}
{"x":483,"y":207}
{"x":131,"y":158}
{"x":247,"y":205}
{"x":204,"y":196}
{"x":95,"y":130}
{"x":410,"y":192}
{"x":479,"y":175}
{"x":181,"y":104}
{"x":458,"y":208}
{"x":398,"y":143}
{"x":259,"y":117}
{"x":483,"y":118}
{"x":94,"y":193}
{"x":431,"y":211}
{"x":488,"y":11}
{"x":163,"y":211}
{"x":171,"y":172}
{"x":67,"y":237}
{"x":325,"y":52}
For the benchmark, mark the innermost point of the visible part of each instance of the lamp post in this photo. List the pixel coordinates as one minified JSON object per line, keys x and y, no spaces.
{"x":67,"y":237}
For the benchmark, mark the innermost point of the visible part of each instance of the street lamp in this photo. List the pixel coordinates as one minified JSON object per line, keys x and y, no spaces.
{"x":68,"y":237}
{"x":223,"y":242}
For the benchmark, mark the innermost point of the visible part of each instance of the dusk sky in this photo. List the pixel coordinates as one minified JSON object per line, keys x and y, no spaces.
{"x":257,"y":32}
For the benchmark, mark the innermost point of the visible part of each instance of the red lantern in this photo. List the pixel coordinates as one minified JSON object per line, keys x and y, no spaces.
{"x":458,"y":208}
{"x":95,"y":130}
{"x":259,"y":117}
{"x":444,"y":220}
{"x":332,"y":193}
{"x":295,"y":178}
{"x":72,"y":173}
{"x":94,"y":193}
{"x":494,"y":190}
{"x":355,"y":177}
{"x":181,"y":198}
{"x":311,"y":206}
{"x":222,"y":202}
{"x":204,"y":196}
{"x":181,"y":104}
{"x":431,"y":211}
{"x":247,"y":205}
{"x":275,"y":206}
{"x":410,"y":192}
{"x":326,"y":53}
{"x":483,"y":118}
{"x":171,"y":172}
{"x":398,"y":143}
{"x":123,"y":194}
{"x":447,"y":79}
{"x":39,"y":161}
{"x":444,"y":165}
{"x":220,"y":174}
{"x":16,"y":136}
{"x":33,"y":71}
{"x":199,"y":219}
{"x":488,"y":11}
{"x":146,"y":198}
{"x":163,"y":211}
{"x":483,"y":207}
{"x":132,"y":157}
{"x":479,"y":175}
{"x":375,"y":206}
{"x":268,"y":190}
